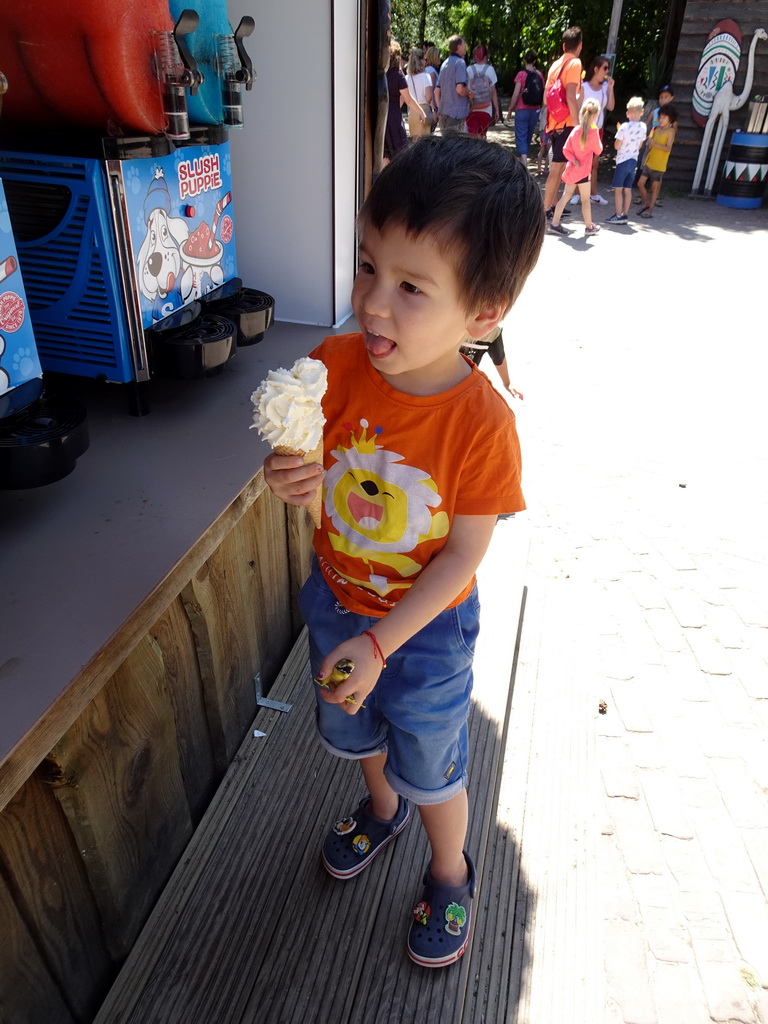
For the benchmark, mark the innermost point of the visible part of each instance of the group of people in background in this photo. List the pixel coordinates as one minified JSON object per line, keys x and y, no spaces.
{"x":576,"y":108}
{"x":568,"y":105}
{"x":448,"y":94}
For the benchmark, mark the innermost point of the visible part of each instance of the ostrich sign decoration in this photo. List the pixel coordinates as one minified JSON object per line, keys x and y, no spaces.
{"x":714,"y":97}
{"x":718,"y":65}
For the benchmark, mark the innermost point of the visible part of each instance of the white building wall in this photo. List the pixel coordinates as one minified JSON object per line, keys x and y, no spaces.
{"x":294,"y":164}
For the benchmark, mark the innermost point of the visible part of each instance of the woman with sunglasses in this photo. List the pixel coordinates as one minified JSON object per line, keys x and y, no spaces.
{"x":598,"y":85}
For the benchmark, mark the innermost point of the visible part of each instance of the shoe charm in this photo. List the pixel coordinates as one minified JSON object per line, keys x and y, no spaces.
{"x":456,"y":917}
{"x":421,"y":912}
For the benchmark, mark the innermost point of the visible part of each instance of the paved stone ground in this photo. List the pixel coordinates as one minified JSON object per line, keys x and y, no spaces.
{"x":641,"y":354}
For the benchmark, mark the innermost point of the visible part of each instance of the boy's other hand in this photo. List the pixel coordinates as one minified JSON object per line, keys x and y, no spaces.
{"x":291,"y":480}
{"x":362,"y":679}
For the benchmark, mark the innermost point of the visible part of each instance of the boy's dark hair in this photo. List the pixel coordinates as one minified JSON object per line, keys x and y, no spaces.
{"x":572,"y":38}
{"x":476,"y":200}
{"x":670,"y":110}
{"x":531,"y":57}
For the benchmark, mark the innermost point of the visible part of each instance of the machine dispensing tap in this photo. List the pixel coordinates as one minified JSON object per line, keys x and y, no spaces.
{"x":177,"y":71}
{"x":235,"y":71}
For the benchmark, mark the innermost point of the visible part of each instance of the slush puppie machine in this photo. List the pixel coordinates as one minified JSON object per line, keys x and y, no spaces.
{"x":41,"y":437}
{"x":121,"y":196}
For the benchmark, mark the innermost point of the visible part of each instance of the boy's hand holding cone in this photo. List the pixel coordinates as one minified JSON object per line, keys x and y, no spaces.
{"x":288,"y":414}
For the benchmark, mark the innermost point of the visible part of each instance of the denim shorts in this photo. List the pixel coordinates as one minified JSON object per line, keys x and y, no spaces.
{"x":624,"y":175}
{"x":417,"y":713}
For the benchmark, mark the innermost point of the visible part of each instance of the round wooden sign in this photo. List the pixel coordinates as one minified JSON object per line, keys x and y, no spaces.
{"x":718,"y":65}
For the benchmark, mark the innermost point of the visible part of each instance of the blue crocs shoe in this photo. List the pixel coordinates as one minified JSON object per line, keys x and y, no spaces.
{"x":442,"y":921}
{"x":353,"y":842}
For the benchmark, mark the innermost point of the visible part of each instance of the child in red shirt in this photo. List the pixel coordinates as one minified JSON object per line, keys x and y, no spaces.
{"x":581,"y":145}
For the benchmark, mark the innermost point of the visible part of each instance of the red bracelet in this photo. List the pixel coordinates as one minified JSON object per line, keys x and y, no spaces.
{"x":377,"y":651}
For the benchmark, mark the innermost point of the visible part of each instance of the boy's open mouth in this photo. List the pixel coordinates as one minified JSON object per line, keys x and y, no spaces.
{"x":378,"y":346}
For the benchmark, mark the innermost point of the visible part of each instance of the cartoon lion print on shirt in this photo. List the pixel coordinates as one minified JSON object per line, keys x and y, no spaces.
{"x":381,"y":508}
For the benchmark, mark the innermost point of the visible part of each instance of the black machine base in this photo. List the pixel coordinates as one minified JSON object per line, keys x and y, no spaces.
{"x":251,"y":311}
{"x":41,"y":442}
{"x":191,"y":344}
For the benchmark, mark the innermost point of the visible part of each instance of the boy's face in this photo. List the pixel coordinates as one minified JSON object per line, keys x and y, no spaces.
{"x":406,"y":299}
{"x":635,"y":113}
{"x":665,"y":97}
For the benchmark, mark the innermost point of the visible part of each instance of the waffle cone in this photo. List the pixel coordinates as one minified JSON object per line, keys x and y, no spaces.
{"x":315,"y":506}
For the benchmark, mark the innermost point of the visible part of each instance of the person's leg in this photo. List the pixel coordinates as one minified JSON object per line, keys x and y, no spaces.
{"x":567,"y":193}
{"x":593,"y":178}
{"x":525,"y":121}
{"x":627,"y":205}
{"x":533,"y":117}
{"x":384,"y":802}
{"x":555,"y":176}
{"x":552,"y":186}
{"x":556,"y":168}
{"x":655,"y":189}
{"x":543,"y":160}
{"x":618,"y":200}
{"x":641,"y":182}
{"x":446,"y":828}
{"x":521,"y":148}
{"x":586,"y":205}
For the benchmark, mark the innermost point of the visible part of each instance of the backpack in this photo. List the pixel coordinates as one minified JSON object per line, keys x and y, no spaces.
{"x":481,"y":88}
{"x":557,"y":104}
{"x":533,"y":91}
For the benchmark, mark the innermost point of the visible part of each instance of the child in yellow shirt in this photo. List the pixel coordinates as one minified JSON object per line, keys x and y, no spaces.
{"x":660,"y":145}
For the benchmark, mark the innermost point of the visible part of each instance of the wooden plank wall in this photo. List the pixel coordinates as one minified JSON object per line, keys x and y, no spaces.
{"x":90,"y":839}
{"x":700,"y":18}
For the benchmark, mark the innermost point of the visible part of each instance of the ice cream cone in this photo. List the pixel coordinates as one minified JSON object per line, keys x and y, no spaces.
{"x":315,"y":506}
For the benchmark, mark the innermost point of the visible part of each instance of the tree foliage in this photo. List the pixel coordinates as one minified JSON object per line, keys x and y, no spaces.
{"x":510,"y":29}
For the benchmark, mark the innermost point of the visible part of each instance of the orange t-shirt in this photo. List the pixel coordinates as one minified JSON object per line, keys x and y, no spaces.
{"x":571,"y":76}
{"x":398,"y":468}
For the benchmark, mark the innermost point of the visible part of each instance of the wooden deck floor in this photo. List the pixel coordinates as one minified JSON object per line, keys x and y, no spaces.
{"x":252,"y":929}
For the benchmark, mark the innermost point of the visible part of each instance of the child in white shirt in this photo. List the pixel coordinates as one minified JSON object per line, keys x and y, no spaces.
{"x":630,"y":139}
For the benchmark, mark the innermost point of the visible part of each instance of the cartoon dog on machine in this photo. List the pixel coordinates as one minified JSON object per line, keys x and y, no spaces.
{"x":163,"y":278}
{"x":174,"y":265}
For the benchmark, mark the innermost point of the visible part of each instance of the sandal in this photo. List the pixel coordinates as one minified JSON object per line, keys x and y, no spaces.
{"x":353,"y":842}
{"x":442,"y":921}
{"x":646,"y":214}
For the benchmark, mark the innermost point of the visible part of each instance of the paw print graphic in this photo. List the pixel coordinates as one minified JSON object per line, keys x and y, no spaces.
{"x":23,"y":363}
{"x":133,"y":180}
{"x":226,"y":163}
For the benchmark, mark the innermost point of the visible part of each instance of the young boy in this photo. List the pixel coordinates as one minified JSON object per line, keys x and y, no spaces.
{"x":630,"y":139}
{"x":660,"y":145}
{"x":421,"y":455}
{"x":666,"y":95}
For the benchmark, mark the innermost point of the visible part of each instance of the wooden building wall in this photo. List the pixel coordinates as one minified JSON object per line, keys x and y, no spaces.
{"x":90,"y":838}
{"x":700,"y":18}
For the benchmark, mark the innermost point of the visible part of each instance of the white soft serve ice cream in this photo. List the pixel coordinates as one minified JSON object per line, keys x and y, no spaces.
{"x":288,"y":410}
